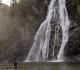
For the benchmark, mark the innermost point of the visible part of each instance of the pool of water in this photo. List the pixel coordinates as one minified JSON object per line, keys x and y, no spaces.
{"x":50,"y":66}
{"x":41,"y":66}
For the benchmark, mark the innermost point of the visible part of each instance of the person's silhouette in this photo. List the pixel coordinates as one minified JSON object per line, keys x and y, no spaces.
{"x":15,"y":65}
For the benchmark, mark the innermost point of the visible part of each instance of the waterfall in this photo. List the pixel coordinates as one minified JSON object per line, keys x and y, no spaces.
{"x":64,"y":23}
{"x":40,"y":49}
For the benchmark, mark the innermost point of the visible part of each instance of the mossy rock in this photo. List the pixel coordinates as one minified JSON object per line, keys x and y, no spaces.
{"x":78,"y":10}
{"x":76,"y":1}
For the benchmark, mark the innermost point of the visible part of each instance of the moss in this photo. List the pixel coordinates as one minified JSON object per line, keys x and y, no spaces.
{"x":78,"y":10}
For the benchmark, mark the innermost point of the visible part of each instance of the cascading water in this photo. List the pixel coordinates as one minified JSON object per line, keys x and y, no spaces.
{"x":64,"y":23}
{"x":40,"y":48}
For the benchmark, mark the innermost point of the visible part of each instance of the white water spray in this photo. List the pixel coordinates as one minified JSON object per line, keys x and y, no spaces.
{"x":40,"y":47}
{"x":64,"y":23}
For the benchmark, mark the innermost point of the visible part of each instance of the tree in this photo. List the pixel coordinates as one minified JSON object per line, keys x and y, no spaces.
{"x":13,"y":2}
{"x":0,"y":0}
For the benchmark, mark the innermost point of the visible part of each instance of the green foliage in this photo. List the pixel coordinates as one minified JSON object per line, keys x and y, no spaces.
{"x":78,"y":10}
{"x":76,"y":1}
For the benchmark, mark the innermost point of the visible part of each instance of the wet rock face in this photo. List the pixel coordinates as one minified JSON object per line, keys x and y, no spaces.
{"x":22,"y":21}
{"x":73,"y":46}
{"x":72,"y":49}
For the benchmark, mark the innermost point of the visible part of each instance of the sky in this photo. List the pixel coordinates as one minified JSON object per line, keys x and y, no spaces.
{"x":7,"y":2}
